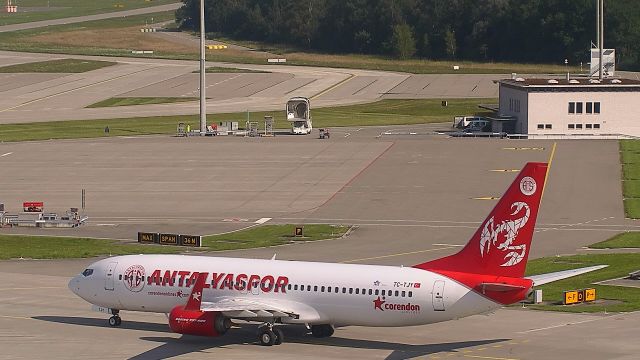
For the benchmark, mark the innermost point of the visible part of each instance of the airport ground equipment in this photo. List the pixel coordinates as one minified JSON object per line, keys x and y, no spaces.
{"x":325,"y":134}
{"x":252,"y":128}
{"x":41,"y":219}
{"x":298,"y":112}
{"x":268,"y":125}
{"x":180,"y":131}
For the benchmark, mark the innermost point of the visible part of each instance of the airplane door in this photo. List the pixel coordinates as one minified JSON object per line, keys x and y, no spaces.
{"x":109,"y":275}
{"x":438,"y":295}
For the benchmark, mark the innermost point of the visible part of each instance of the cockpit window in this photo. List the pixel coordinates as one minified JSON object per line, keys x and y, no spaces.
{"x":87,"y":272}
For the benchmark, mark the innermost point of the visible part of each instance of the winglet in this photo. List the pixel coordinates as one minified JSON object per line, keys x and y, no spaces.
{"x":195,"y":299}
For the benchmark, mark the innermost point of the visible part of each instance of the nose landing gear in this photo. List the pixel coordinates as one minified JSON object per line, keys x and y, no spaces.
{"x":115,"y":320}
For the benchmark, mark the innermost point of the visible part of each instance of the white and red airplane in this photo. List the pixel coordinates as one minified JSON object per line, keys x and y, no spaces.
{"x":201,"y":295}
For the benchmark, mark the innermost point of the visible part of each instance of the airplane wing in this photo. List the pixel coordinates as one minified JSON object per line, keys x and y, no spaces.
{"x":247,"y":308}
{"x":555,"y":276}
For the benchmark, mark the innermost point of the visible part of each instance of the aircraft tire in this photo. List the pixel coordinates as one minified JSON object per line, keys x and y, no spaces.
{"x":267,"y":337}
{"x":114,"y":321}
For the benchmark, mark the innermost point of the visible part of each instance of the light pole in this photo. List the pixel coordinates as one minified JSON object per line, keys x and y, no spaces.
{"x":203,"y":100}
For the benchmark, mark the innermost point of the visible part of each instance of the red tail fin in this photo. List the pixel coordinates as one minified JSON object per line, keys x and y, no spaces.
{"x":195,"y":299}
{"x":502,"y":243}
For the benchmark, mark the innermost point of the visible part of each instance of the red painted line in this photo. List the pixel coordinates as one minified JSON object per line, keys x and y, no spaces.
{"x":356,"y":175}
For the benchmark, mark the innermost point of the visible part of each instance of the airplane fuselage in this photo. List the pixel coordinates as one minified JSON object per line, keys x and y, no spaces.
{"x":327,"y":293}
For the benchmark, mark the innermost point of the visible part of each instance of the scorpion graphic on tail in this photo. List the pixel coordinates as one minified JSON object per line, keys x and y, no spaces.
{"x":491,"y":234}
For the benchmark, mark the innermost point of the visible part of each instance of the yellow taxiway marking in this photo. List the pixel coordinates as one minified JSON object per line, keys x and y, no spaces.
{"x":398,"y":254}
{"x":486,"y":198}
{"x":553,"y":153}
{"x":523,"y":148}
{"x":505,"y":170}
{"x":488,"y":357}
{"x":351,"y":76}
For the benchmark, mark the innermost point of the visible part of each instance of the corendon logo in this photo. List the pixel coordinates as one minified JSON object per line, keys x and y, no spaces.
{"x":509,"y":231}
{"x":134,"y":278}
{"x":382,"y":305}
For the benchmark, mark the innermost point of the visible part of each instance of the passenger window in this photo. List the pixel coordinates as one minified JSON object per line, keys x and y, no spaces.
{"x":377,"y":291}
{"x":344,"y":290}
{"x":370,"y":291}
{"x":397,"y":292}
{"x":289,"y":286}
{"x":308,"y":287}
{"x":383,"y":292}
{"x":403,"y":293}
{"x":350,"y":290}
{"x":322,"y":289}
{"x":357,"y":291}
{"x":315,"y":288}
{"x":337,"y":289}
{"x":120,"y":277}
{"x":410,"y":293}
{"x":301,"y":287}
{"x":295,"y":287}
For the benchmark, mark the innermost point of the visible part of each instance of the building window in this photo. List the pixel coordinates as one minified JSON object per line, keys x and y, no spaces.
{"x":589,"y":108}
{"x":579,"y":108}
{"x":572,"y":108}
{"x":547,"y":126}
{"x":596,"y":126}
{"x":540,"y":126}
{"x":572,"y":126}
{"x":578,"y":126}
{"x":596,"y":108}
{"x":588,"y":126}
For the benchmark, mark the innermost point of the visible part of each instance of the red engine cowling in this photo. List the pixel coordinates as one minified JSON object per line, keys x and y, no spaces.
{"x":195,"y":322}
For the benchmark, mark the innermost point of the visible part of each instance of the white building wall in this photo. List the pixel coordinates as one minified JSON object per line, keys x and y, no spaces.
{"x":514,"y":102}
{"x":619,"y":113}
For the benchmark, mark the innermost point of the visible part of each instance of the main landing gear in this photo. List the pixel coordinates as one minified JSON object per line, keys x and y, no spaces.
{"x":269,"y":335}
{"x":320,"y":331}
{"x":115,"y":320}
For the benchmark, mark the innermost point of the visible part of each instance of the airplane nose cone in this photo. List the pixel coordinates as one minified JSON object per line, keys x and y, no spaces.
{"x":74,"y":285}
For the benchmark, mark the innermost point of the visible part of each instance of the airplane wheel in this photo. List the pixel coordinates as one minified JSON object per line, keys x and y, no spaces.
{"x":115,"y":321}
{"x":267,"y":337}
{"x":279,"y":336}
{"x":321,"y":331}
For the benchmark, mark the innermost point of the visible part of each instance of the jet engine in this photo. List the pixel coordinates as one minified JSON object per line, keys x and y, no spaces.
{"x":196,"y":322}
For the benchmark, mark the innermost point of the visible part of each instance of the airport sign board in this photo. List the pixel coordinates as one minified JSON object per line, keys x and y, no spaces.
{"x":191,"y":240}
{"x":169,"y":239}
{"x":148,"y":238}
{"x":579,"y":296}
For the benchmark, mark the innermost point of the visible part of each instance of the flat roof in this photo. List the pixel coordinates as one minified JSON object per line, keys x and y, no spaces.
{"x":573,"y":84}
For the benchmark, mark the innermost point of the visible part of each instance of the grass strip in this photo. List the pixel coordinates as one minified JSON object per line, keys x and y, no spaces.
{"x":271,"y":235}
{"x":620,"y":265}
{"x":630,"y":160}
{"x":57,"y":66}
{"x":624,"y":240}
{"x":49,"y":247}
{"x":127,"y":101}
{"x":385,"y":112}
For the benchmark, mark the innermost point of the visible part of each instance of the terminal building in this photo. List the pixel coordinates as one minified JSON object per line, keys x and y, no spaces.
{"x":577,"y":107}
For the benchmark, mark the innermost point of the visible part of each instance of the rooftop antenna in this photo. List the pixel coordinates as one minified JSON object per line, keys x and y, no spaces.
{"x":600,"y":36}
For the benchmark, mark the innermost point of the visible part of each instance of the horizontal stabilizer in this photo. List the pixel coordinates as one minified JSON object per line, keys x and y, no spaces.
{"x":555,"y":276}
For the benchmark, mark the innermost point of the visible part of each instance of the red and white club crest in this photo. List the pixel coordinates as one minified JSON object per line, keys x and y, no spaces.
{"x":134,"y":278}
{"x":528,"y":186}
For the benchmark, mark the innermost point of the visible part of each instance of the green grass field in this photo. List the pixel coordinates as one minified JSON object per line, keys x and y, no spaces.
{"x":49,"y":247}
{"x":385,"y":112}
{"x":127,"y":101}
{"x":624,"y":240}
{"x":37,"y":10}
{"x":620,"y":265}
{"x":57,"y":66}
{"x":630,"y":159}
{"x":271,"y":235}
